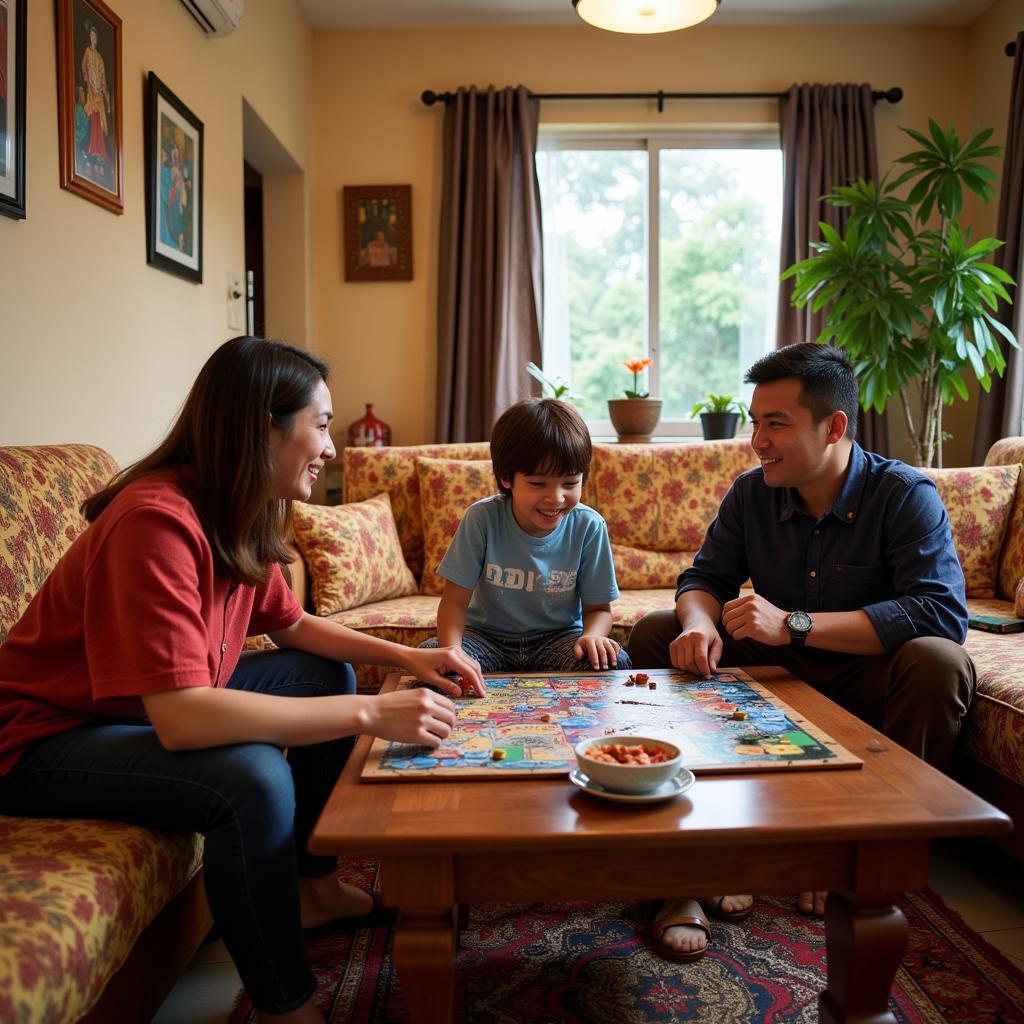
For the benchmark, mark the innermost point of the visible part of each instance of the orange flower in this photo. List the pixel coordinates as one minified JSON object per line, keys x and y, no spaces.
{"x":637,"y":365}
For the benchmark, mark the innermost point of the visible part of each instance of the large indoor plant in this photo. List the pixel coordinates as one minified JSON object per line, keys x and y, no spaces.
{"x":905,"y":291}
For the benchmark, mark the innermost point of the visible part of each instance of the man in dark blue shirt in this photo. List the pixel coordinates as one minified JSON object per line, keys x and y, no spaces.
{"x":856,"y":585}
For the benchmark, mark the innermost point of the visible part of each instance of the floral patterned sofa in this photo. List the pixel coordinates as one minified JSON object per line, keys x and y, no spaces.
{"x":370,"y":562}
{"x":97,"y":918}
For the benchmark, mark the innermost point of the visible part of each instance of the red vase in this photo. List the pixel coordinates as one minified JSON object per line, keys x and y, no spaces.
{"x":369,"y":432}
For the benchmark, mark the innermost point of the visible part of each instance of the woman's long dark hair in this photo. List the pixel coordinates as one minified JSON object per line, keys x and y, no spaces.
{"x":223,"y":436}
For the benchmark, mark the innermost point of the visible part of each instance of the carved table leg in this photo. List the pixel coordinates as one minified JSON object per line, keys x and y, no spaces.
{"x":424,"y":948}
{"x":865,"y":941}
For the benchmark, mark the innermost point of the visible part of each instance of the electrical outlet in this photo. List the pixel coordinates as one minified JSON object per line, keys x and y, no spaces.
{"x":236,"y":301}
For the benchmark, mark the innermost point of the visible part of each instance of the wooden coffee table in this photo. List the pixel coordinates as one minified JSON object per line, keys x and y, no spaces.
{"x":862,"y":834}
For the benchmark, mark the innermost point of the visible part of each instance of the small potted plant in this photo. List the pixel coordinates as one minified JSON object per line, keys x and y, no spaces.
{"x":720,"y":415}
{"x":635,"y":416}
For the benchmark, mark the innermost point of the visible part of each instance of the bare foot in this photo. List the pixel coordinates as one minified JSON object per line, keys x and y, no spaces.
{"x":681,"y":938}
{"x":307,"y":1013}
{"x":326,"y":899}
{"x":727,"y":905}
{"x":812,"y":903}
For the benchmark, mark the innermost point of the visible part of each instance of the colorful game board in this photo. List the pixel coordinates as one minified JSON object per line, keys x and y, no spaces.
{"x":527,"y":726}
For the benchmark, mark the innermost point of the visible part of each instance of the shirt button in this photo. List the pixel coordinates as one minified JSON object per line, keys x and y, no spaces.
{"x":816,"y":532}
{"x":813,"y":574}
{"x":849,"y":515}
{"x":224,"y":647}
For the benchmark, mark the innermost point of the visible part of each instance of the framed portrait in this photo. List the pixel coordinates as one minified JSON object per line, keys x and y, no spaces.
{"x":378,"y":232}
{"x":13,"y":21}
{"x":89,"y":90}
{"x":174,"y":183}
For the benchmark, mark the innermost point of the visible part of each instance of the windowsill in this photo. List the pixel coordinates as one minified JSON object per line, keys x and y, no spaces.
{"x":667,"y":438}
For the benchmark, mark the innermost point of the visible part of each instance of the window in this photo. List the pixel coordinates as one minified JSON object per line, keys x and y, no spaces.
{"x":665,"y":246}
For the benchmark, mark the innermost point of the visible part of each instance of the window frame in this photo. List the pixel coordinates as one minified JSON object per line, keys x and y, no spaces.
{"x":575,"y":137}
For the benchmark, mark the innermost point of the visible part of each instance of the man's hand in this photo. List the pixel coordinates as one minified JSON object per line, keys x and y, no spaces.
{"x":434,"y":665}
{"x":601,"y":651}
{"x":697,"y":649}
{"x":751,"y":617}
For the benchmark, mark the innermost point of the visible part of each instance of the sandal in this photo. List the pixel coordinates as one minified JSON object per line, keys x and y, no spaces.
{"x":714,"y":909}
{"x":690,"y":916}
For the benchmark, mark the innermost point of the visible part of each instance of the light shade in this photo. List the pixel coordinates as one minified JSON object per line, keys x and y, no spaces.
{"x":644,"y":16}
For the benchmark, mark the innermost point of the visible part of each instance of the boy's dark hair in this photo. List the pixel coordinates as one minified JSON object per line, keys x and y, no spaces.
{"x":222,"y":437}
{"x":826,"y":374}
{"x":539,"y":436}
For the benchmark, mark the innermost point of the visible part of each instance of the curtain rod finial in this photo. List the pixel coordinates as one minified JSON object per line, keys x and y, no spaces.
{"x":894,"y":95}
{"x":1010,"y":49}
{"x":429,"y":97}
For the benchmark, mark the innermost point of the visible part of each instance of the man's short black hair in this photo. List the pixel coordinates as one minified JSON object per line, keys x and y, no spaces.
{"x":826,"y":374}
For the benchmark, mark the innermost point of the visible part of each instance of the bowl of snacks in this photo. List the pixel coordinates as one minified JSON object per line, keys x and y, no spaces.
{"x":628,"y":764}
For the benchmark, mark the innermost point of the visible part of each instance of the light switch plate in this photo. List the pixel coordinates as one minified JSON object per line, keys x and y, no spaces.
{"x":236,"y":300}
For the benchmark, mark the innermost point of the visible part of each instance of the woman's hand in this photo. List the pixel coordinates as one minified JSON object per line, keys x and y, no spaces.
{"x":436,"y":665}
{"x":410,"y":716}
{"x":601,"y":651}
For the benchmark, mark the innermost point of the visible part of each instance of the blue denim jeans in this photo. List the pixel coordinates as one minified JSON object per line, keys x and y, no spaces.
{"x":255,"y":807}
{"x":535,"y":652}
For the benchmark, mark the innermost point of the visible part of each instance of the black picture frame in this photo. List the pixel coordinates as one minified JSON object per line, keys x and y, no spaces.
{"x":174,"y":183}
{"x":13,"y":57}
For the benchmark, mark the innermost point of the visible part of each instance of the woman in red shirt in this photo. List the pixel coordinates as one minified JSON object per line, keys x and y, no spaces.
{"x":124,"y":692}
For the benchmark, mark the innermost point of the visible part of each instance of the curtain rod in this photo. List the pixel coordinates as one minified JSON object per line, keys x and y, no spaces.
{"x":429,"y":97}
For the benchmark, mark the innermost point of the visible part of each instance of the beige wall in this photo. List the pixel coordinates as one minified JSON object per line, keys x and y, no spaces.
{"x":988,"y":93}
{"x":370,"y":127}
{"x":95,"y":344}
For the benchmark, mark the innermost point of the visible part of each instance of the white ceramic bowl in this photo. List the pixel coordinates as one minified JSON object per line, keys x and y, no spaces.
{"x":628,"y":778}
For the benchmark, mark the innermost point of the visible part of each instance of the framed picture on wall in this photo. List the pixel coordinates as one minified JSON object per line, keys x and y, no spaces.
{"x":378,"y":232}
{"x":13,"y":21}
{"x":89,"y":91}
{"x":174,"y":183}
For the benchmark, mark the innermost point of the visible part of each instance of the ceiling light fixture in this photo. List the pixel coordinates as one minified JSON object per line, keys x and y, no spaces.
{"x":644,"y":16}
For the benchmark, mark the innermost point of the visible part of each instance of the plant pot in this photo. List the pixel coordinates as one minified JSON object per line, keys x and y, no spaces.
{"x":719,"y":426}
{"x":634,"y":419}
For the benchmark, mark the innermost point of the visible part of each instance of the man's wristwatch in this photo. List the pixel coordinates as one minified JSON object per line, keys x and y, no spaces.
{"x":799,"y":625}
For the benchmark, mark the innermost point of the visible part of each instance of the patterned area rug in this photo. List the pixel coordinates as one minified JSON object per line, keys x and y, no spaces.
{"x":589,"y":964}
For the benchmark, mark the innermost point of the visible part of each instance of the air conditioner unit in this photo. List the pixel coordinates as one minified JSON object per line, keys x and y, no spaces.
{"x":216,"y":17}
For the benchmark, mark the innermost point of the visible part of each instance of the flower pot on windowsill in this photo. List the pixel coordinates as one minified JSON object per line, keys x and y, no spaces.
{"x":634,"y":419}
{"x":719,"y":426}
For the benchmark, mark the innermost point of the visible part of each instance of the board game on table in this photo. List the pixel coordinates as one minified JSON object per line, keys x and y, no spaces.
{"x":527,"y":726}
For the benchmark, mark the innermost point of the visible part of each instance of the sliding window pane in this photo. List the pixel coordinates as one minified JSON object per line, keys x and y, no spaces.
{"x":721,"y":216}
{"x":593,"y":208}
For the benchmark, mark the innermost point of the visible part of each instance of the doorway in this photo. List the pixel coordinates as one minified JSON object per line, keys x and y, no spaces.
{"x":254,"y":283}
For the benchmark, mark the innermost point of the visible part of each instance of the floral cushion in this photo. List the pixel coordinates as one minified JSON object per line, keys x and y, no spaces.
{"x":979,"y":500}
{"x":40,"y":491}
{"x":664,"y":497}
{"x":74,"y":897}
{"x":994,"y":734}
{"x":369,"y":471}
{"x":447,"y":488}
{"x":352,"y":552}
{"x":638,"y":569}
{"x":1010,"y":452}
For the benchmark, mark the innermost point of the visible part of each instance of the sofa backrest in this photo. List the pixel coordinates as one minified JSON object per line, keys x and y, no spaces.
{"x":40,"y":491}
{"x":1007,"y":452}
{"x":368,"y":472}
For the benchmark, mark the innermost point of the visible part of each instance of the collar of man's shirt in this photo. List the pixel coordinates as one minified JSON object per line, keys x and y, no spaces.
{"x":847,"y":503}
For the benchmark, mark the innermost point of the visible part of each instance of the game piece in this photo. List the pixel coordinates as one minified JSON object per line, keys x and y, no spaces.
{"x":547,"y":718}
{"x":652,"y":685}
{"x":642,"y":677}
{"x":497,"y":754}
{"x":739,"y":716}
{"x":629,"y":682}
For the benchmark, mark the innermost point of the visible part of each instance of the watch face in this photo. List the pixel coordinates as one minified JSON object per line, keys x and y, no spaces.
{"x":799,"y":622}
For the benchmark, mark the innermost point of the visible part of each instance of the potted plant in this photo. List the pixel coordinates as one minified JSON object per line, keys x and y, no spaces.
{"x":912,"y":299}
{"x":720,"y":415}
{"x":635,"y":416}
{"x":549,"y":388}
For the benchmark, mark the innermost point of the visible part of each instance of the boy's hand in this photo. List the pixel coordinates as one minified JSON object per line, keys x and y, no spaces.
{"x":435,"y":665}
{"x":601,"y":651}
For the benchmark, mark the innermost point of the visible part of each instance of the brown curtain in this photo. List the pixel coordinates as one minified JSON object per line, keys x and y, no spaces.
{"x":828,"y":137}
{"x":1000,"y":411}
{"x":490,"y":272}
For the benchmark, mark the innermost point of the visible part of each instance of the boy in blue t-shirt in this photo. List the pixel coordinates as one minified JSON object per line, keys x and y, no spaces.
{"x":529,"y":578}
